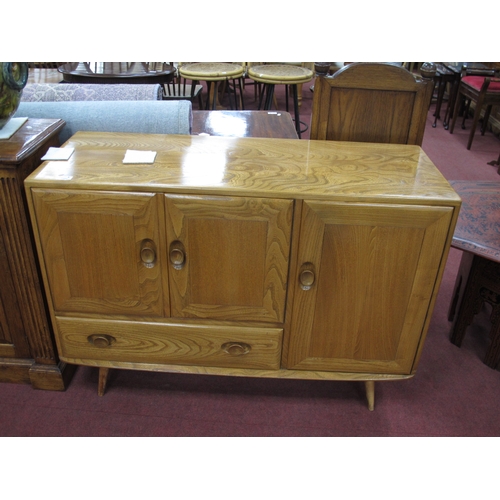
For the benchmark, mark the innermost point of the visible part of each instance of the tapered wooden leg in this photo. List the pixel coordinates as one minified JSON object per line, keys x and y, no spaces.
{"x":370,"y":394}
{"x":103,"y":379}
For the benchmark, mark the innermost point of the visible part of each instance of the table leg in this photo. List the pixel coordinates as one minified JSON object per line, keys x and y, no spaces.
{"x":478,"y":281}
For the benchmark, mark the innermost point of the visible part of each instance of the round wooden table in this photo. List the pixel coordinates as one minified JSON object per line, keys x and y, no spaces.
{"x":117,"y":72}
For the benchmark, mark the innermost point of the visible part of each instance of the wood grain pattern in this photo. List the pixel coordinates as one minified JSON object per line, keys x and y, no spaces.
{"x":375,"y":268}
{"x":371,"y":102}
{"x":275,"y":168}
{"x":337,"y":247}
{"x":92,"y":245}
{"x":237,"y":256}
{"x":135,"y":342}
{"x":245,"y":372}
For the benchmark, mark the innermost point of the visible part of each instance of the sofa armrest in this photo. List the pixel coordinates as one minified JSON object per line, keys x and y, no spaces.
{"x":147,"y":117}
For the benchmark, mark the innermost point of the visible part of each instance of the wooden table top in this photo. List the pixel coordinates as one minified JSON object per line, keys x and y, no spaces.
{"x":277,"y":124}
{"x":478,"y":226}
{"x":27,"y":139}
{"x":278,"y":168}
{"x":117,"y":72}
{"x":456,"y":67}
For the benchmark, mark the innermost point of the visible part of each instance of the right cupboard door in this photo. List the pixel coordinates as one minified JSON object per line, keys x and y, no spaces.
{"x":364,"y":281}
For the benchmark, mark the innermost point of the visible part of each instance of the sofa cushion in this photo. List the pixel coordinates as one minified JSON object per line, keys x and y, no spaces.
{"x":54,"y":92}
{"x":147,"y":117}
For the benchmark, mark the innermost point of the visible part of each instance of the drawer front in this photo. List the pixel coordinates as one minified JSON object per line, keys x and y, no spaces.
{"x":204,"y":345}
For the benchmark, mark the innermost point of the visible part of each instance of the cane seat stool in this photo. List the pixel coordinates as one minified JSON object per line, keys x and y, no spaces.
{"x":213,"y":74}
{"x":281,"y":74}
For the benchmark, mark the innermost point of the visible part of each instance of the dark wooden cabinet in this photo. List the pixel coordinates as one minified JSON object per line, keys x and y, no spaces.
{"x":27,"y":349}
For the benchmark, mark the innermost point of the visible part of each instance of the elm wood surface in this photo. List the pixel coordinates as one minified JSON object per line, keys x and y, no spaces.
{"x":478,"y":278}
{"x":27,"y":348}
{"x":229,"y":249}
{"x":116,"y":72}
{"x":370,"y":102}
{"x":278,"y":125}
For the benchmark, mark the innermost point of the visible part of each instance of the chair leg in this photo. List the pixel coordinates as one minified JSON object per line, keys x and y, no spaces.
{"x":486,"y":119}
{"x":477,"y":114}
{"x":465,"y":113}
{"x":493,"y":353}
{"x":458,"y":101}
{"x":296,"y":106}
{"x":469,"y":301}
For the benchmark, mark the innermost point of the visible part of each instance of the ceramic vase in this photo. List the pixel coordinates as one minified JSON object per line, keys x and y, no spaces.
{"x":13,"y":78}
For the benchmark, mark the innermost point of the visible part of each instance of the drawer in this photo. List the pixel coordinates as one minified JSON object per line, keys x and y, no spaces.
{"x":81,"y":339}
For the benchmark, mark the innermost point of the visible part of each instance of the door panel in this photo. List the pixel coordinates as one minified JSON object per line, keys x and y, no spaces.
{"x":228,"y":256}
{"x":374,"y":269}
{"x":102,"y":251}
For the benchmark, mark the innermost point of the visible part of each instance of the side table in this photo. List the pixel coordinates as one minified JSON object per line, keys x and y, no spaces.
{"x":275,"y":125}
{"x":478,"y":279}
{"x":27,"y":348}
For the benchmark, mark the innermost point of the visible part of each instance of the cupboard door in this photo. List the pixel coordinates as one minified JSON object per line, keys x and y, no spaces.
{"x":101,"y":251}
{"x":366,"y":275}
{"x":228,"y":256}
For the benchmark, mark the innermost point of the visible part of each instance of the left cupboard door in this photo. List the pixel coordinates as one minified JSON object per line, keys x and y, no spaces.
{"x":102,"y":251}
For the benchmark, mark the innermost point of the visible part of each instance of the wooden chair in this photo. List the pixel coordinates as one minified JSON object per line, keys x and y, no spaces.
{"x":485,"y":92}
{"x":371,"y":102}
{"x":179,"y":89}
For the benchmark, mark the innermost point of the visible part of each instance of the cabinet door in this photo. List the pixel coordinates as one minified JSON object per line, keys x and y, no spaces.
{"x":101,"y":251}
{"x":228,"y":256}
{"x":365,"y":277}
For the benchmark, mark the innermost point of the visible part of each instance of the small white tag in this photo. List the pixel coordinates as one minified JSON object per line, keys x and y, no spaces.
{"x":58,"y":154}
{"x":133,"y":156}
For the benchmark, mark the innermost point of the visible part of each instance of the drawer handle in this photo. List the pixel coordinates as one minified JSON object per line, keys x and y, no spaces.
{"x":236,"y":348}
{"x":177,"y":255}
{"x":307,"y":279}
{"x":101,"y":340}
{"x":148,"y":253}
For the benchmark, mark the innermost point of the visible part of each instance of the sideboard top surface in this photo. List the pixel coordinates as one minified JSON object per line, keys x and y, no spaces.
{"x":284,"y":168}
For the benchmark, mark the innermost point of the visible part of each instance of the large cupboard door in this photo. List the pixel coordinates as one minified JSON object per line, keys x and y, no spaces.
{"x":365,"y":277}
{"x":101,"y":251}
{"x":228,"y":256}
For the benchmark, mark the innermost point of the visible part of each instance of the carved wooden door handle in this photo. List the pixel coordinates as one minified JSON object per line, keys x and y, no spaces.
{"x":307,"y":276}
{"x":177,"y":255}
{"x":148,"y":253}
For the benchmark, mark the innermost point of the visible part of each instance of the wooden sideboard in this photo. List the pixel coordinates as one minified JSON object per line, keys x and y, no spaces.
{"x":27,"y":347}
{"x":243,"y":256}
